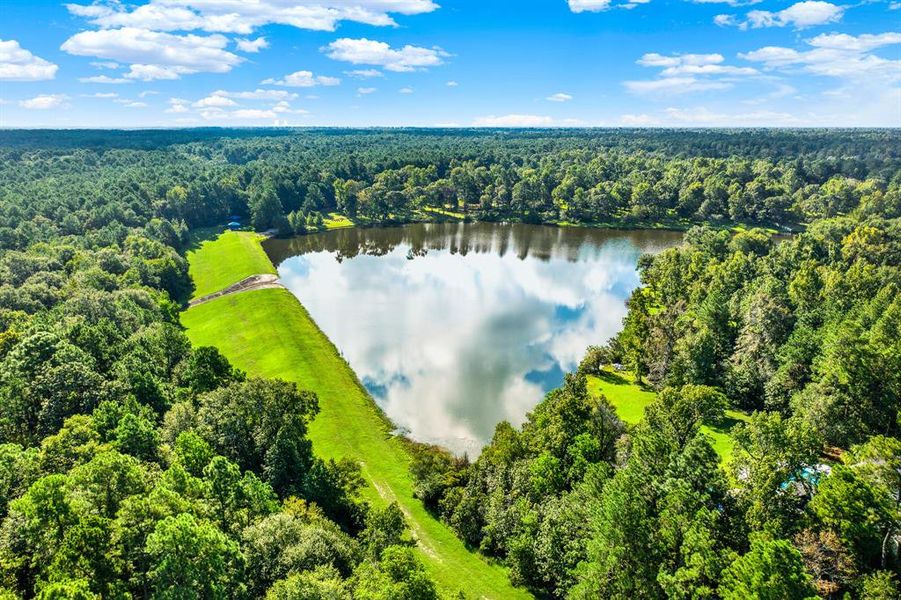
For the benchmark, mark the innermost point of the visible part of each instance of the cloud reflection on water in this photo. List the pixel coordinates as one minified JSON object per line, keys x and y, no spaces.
{"x":454,"y":328}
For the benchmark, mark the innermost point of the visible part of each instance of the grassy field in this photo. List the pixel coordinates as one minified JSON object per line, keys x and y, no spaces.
{"x":337,"y":221}
{"x":630,"y":399}
{"x":217,"y":263}
{"x":269,"y":333}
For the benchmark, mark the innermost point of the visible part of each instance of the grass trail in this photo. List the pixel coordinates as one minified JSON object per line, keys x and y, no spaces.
{"x":270,"y":334}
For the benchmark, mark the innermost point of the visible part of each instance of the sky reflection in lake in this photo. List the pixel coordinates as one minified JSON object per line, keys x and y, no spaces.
{"x":454,"y":327}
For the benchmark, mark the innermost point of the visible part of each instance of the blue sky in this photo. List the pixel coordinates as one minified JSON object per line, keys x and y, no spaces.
{"x":680,"y":63}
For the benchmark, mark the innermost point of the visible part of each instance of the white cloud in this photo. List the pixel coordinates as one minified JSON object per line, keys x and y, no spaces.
{"x":578,"y":6}
{"x":214,"y":105}
{"x":687,"y":73}
{"x":45,"y":102}
{"x":799,"y":16}
{"x":258,"y":94}
{"x":653,"y":59}
{"x":364,"y":73}
{"x":370,"y":52}
{"x":155,"y":55}
{"x":249,"y":114}
{"x":641,"y":120}
{"x":146,"y":93}
{"x":835,"y":55}
{"x":692,"y":64}
{"x":675,"y":85}
{"x":703,"y":116}
{"x":405,"y":90}
{"x":133,"y":104}
{"x":861,"y":43}
{"x":177,"y":105}
{"x":514,"y":120}
{"x":222,"y":105}
{"x":781,"y":91}
{"x":873,"y":108}
{"x":148,"y":16}
{"x":101,"y":95}
{"x":365,"y":91}
{"x":254,"y":114}
{"x":729,"y":2}
{"x":214,"y":101}
{"x":154,"y":72}
{"x":243,"y":17}
{"x":253,"y":46}
{"x":596,"y":6}
{"x":452,"y":84}
{"x":284,"y":107}
{"x":303,"y":79}
{"x":559,"y":97}
{"x":104,"y":79}
{"x":707,"y":70}
{"x":18,"y":64}
{"x":105,"y":64}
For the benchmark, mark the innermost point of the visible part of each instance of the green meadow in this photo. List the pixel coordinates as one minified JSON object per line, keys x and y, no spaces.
{"x":217,"y":263}
{"x":268,"y":333}
{"x":630,"y":399}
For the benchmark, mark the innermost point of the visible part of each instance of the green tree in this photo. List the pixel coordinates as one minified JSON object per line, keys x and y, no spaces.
{"x":322,"y":584}
{"x":770,"y":467}
{"x":262,"y":426}
{"x":880,"y":585}
{"x":137,"y":436}
{"x":771,"y":570}
{"x":861,"y":516}
{"x":265,"y":207}
{"x":293,"y":541}
{"x":192,"y":559}
{"x":67,"y":589}
{"x":398,"y":575}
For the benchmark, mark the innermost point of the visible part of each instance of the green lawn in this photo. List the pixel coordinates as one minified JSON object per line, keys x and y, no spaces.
{"x":444,"y":211}
{"x":337,"y":221}
{"x":630,"y":399}
{"x":269,"y":333}
{"x":217,"y":263}
{"x":627,"y":397}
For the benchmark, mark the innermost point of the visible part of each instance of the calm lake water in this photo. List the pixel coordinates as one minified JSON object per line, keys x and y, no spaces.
{"x":456,"y":327}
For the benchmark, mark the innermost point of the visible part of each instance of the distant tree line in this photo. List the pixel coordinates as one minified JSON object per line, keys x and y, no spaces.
{"x":290,"y":182}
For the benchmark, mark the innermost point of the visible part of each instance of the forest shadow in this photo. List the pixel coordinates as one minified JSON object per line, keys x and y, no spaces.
{"x":724,"y":425}
{"x":616,"y":378}
{"x":196,"y":237}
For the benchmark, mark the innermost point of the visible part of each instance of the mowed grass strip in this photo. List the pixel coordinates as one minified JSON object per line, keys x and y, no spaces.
{"x":630,"y":399}
{"x":268,"y":333}
{"x":228,"y":258}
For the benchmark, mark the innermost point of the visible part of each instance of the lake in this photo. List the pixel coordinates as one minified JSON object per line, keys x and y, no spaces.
{"x":455,"y":327}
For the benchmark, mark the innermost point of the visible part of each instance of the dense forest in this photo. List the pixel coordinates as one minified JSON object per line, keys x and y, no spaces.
{"x":133,"y":465}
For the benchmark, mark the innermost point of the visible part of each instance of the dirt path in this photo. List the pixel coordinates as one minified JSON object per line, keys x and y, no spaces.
{"x":254,"y":282}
